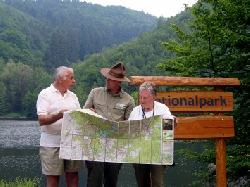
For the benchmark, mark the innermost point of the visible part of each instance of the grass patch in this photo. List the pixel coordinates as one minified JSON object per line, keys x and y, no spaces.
{"x":21,"y":182}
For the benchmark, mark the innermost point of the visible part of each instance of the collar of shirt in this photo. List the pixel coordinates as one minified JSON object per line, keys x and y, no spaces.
{"x":56,"y":90}
{"x":116,"y":95}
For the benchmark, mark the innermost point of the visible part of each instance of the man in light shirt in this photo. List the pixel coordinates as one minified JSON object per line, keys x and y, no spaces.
{"x":52,"y":102}
{"x":112,"y":103}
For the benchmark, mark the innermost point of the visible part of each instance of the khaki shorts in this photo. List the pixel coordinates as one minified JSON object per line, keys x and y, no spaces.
{"x":52,"y":165}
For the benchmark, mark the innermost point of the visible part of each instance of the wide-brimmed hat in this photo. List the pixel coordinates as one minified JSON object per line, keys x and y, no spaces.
{"x":117,"y":72}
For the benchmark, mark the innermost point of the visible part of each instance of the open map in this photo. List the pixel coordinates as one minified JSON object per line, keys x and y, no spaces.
{"x":86,"y":135}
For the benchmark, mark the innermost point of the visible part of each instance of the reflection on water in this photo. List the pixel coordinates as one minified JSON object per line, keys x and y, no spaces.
{"x":19,"y":147}
{"x":19,"y":134}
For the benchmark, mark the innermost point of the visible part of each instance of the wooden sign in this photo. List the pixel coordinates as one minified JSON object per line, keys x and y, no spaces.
{"x":204,"y":127}
{"x":184,"y":81}
{"x":205,"y":101}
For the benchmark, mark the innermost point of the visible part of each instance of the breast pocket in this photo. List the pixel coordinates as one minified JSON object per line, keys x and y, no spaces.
{"x":119,"y":111}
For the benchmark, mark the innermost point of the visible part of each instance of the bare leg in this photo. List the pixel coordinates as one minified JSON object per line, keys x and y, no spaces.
{"x":72,"y":179}
{"x":53,"y":180}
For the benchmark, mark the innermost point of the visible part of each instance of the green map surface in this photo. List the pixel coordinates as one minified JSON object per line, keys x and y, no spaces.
{"x":87,"y":136}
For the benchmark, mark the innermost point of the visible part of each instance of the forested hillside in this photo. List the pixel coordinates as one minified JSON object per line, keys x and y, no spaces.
{"x":21,"y":82}
{"x":50,"y":33}
{"x":140,"y":56}
{"x":38,"y":36}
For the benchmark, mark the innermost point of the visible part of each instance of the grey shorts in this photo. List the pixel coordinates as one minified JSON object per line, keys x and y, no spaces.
{"x":52,"y":165}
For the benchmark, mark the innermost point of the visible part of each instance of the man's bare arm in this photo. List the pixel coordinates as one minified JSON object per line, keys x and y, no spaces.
{"x":51,"y":118}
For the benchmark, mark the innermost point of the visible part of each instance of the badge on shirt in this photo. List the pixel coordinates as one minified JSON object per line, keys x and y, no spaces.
{"x":120,"y":106}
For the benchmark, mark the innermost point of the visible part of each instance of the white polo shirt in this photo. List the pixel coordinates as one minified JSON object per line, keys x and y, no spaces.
{"x":51,"y":101}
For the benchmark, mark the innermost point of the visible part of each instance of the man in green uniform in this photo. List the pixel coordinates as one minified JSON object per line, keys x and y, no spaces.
{"x":112,"y":103}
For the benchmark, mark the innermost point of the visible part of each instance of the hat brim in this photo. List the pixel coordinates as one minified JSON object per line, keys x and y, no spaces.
{"x":105,"y":73}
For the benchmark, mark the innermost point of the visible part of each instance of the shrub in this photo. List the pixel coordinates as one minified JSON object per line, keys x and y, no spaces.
{"x":21,"y":182}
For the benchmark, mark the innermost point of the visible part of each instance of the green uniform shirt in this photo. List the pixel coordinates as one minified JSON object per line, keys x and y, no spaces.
{"x":112,"y":107}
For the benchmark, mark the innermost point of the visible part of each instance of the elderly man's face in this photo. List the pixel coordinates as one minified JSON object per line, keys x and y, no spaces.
{"x":69,"y":82}
{"x":146,"y":99}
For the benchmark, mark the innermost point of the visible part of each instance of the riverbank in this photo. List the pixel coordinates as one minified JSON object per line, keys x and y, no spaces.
{"x":11,"y":117}
{"x":15,"y":116}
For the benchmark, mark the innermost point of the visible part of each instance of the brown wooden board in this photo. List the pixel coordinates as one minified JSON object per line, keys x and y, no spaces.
{"x":198,"y":101}
{"x":183,"y":81}
{"x":204,"y":127}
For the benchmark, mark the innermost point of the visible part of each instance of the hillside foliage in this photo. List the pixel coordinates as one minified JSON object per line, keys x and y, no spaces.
{"x":218,"y":45}
{"x":38,"y":36}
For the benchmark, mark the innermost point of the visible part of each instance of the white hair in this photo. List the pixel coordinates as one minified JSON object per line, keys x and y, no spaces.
{"x":61,"y":72}
{"x":150,"y":86}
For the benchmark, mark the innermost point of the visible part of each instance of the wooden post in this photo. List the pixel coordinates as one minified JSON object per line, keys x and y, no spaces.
{"x":221,"y":177}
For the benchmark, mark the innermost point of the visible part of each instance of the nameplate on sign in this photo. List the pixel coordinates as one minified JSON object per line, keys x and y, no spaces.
{"x":197,"y":101}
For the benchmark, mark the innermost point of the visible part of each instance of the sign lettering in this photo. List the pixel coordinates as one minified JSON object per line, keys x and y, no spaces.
{"x":182,"y":101}
{"x":198,"y":101}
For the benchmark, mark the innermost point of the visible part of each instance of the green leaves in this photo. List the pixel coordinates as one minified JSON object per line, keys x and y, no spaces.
{"x":216,"y":43}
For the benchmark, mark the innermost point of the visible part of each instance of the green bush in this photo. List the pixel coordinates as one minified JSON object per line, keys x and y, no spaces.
{"x":13,"y":115}
{"x":21,"y":182}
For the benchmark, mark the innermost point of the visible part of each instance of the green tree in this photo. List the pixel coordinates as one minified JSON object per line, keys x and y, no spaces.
{"x":38,"y":81}
{"x":15,"y":77}
{"x":1,"y":64}
{"x":3,"y":100}
{"x":14,"y":37}
{"x":29,"y":104}
{"x":55,"y":55}
{"x":216,"y":44}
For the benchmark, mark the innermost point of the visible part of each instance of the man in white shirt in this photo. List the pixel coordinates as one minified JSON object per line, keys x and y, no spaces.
{"x":52,"y":102}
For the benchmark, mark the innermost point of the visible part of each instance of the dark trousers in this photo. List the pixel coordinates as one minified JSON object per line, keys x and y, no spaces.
{"x":100,"y":173}
{"x":149,"y":175}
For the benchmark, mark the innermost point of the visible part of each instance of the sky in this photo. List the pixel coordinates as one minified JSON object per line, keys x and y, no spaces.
{"x":165,"y":8}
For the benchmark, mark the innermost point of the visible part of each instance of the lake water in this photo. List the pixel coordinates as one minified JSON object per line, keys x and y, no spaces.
{"x":19,"y":157}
